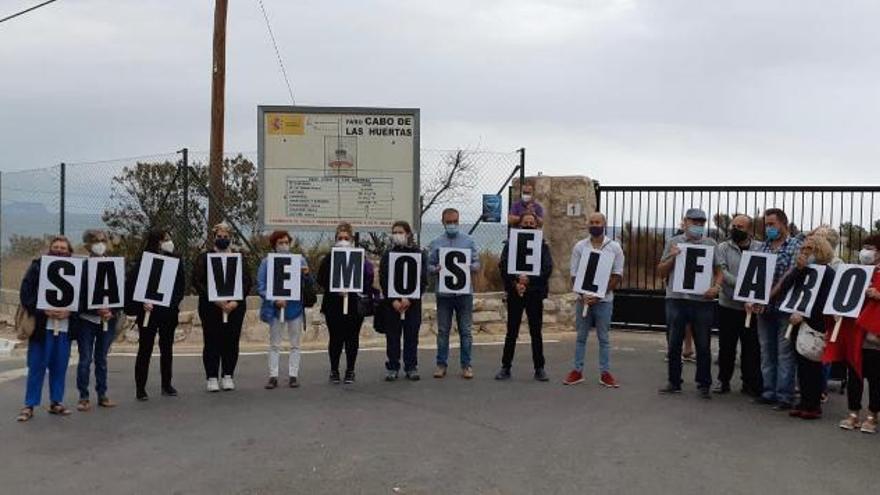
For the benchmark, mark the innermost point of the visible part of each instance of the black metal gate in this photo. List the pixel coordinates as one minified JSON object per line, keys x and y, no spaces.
{"x":641,"y":218}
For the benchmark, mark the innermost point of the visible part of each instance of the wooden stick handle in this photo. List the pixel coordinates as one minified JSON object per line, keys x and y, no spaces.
{"x":788,"y":331}
{"x":225,"y":317}
{"x":55,"y":326}
{"x":281,"y":312}
{"x":146,"y":321}
{"x":585,"y":310}
{"x":103,"y":325}
{"x":403,"y":316}
{"x":836,"y":329}
{"x":345,"y":303}
{"x":748,"y":319}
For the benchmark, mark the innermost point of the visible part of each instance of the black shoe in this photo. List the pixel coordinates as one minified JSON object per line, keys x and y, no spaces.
{"x":292,"y":382}
{"x":391,"y":375}
{"x":349,"y":377}
{"x":272,"y":383}
{"x":169,"y":391}
{"x":764,"y":401}
{"x":670,"y":389}
{"x":721,"y":388}
{"x":334,"y":378}
{"x":503,"y":374}
{"x":782,"y":406}
{"x":413,"y":375}
{"x":704,"y":393}
{"x":541,"y":375}
{"x":142,"y":395}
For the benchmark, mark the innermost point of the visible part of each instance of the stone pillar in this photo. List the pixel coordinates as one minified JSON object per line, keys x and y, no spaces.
{"x":567,"y":202}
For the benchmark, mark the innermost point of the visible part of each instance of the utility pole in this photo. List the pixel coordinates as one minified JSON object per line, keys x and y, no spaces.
{"x":218,"y":95}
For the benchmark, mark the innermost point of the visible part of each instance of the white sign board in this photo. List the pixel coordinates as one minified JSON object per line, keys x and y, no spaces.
{"x":320,"y":166}
{"x":347,"y":269}
{"x":594,"y":273}
{"x":455,"y":271}
{"x":848,"y":290}
{"x":284,"y":277}
{"x":693,"y":269}
{"x":801,"y":297}
{"x":155,"y":279}
{"x":754,"y":281}
{"x":59,"y":284}
{"x":225,"y":277}
{"x":106,"y":282}
{"x":524,"y":252}
{"x":404,"y":275}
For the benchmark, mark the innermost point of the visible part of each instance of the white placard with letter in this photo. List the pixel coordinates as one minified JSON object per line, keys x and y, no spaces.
{"x":524,"y":252}
{"x":693,"y":269}
{"x":455,"y":271}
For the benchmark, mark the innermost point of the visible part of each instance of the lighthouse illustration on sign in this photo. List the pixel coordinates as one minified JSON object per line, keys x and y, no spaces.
{"x":340,"y":156}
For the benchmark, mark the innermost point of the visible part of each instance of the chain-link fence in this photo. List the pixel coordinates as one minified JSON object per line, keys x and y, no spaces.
{"x":128,"y":197}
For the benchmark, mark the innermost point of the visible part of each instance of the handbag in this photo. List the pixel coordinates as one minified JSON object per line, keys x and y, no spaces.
{"x":366,"y":305}
{"x":810,"y":343}
{"x":309,"y":294}
{"x":25,"y":323}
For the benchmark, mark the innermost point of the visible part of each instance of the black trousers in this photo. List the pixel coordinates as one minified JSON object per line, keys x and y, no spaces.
{"x":146,"y":339}
{"x":221,"y":340}
{"x":732,"y":330}
{"x":855,"y":385}
{"x":409,"y":329}
{"x":533,"y":306}
{"x":345,"y":333}
{"x":810,"y":375}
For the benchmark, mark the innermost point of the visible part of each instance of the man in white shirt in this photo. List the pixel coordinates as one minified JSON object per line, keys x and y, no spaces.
{"x":599,"y":313}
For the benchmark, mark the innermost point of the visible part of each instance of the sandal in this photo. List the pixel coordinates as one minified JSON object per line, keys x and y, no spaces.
{"x":106,"y":402}
{"x":83,"y":405}
{"x":25,"y":415}
{"x":58,"y":409}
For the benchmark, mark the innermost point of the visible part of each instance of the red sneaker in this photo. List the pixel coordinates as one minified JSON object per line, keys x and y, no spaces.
{"x":607,"y":380}
{"x":573,"y":378}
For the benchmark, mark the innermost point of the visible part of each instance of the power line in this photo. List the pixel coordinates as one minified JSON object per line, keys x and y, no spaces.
{"x":277,"y":53}
{"x":25,"y":11}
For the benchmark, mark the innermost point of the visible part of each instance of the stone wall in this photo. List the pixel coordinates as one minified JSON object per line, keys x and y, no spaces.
{"x":490,"y":317}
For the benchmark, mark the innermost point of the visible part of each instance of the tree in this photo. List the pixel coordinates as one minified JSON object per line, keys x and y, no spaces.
{"x":852,"y":235}
{"x":456,"y":173}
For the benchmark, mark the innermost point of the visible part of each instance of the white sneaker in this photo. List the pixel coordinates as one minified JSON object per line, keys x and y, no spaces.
{"x":213,"y":385}
{"x":227,"y":383}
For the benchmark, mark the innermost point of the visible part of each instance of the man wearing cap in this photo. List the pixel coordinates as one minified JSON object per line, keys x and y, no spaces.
{"x":684,"y":309}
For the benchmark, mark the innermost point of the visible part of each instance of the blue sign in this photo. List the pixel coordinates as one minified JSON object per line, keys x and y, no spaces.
{"x":492,"y":208}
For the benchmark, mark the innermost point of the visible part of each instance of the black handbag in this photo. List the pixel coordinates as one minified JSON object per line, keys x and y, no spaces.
{"x":367,"y":303}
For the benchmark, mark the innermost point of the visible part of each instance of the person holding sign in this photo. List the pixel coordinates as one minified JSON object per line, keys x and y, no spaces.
{"x":163,"y":282}
{"x":526,"y":204}
{"x":732,"y":316}
{"x":858,"y":345}
{"x":525,"y":293}
{"x":96,"y":325}
{"x":801,"y":285}
{"x":403,"y":280}
{"x":341,"y":309}
{"x":222,"y":283}
{"x":458,"y":299}
{"x":49,"y":346}
{"x":777,"y":352}
{"x":591,"y":310}
{"x":693,"y":282}
{"x":281,"y":307}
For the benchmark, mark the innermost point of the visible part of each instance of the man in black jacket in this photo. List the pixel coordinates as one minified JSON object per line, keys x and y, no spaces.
{"x":525,"y":293}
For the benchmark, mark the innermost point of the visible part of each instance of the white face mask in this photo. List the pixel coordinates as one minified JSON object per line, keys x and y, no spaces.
{"x":99,"y":248}
{"x":282,"y":248}
{"x":867,"y":256}
{"x":398,"y":239}
{"x":343,"y":243}
{"x":526,"y":197}
{"x":167,"y":247}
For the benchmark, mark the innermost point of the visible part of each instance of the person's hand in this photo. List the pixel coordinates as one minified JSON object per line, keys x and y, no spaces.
{"x":523,"y":279}
{"x":220,"y":304}
{"x":590,"y":300}
{"x":404,"y":305}
{"x":59,"y":314}
{"x":712,"y":293}
{"x":673,"y":252}
{"x":396,"y":305}
{"x":796,"y":319}
{"x":230,"y":306}
{"x":281,"y":304}
{"x":105,"y":313}
{"x":873,"y":293}
{"x":148,"y":307}
{"x":520,"y":289}
{"x":305,"y":270}
{"x":801,"y":261}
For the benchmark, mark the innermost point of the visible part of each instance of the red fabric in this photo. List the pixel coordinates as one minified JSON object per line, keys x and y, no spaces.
{"x":848,"y":347}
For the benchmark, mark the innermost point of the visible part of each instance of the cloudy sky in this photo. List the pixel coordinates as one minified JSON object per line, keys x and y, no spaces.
{"x":657,"y":92}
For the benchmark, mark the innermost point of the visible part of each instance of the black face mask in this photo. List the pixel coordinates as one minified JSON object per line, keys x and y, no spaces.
{"x":222,"y":244}
{"x":738,"y":236}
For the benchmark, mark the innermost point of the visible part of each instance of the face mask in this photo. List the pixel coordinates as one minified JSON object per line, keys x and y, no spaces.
{"x":282,"y":248}
{"x":771,"y":233}
{"x":398,"y":239}
{"x":222,"y":244}
{"x":99,"y":248}
{"x":811,"y":260}
{"x":695,"y":231}
{"x":738,"y":236}
{"x":343,"y":243}
{"x":526,"y":197}
{"x":167,"y":247}
{"x":597,"y":231}
{"x":867,"y":256}
{"x":451,"y":229}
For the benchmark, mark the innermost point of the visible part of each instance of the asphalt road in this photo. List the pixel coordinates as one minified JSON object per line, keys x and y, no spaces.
{"x":435,"y":436}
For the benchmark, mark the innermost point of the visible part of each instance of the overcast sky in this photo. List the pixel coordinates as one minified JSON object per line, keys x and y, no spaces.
{"x":626,"y":91}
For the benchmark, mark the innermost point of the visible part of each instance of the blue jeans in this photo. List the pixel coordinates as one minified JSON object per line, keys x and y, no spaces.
{"x":777,"y":357}
{"x":93,"y":344}
{"x":463,"y":306}
{"x":700,"y":315}
{"x":53,"y":353}
{"x":598,"y":317}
